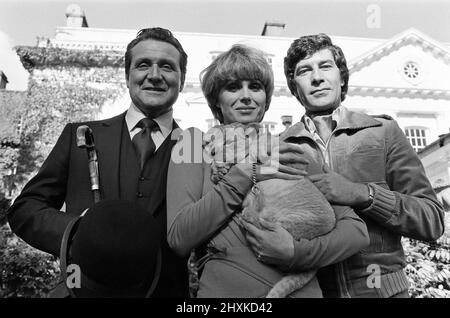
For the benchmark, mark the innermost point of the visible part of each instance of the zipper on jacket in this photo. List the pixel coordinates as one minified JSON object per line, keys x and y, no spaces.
{"x":340,"y":272}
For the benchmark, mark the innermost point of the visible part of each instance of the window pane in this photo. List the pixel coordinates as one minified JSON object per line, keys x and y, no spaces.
{"x":423,"y":132}
{"x":412,"y":132}
{"x":417,"y":132}
{"x":407,"y":132}
{"x":419,"y":142}
{"x":413,"y":141}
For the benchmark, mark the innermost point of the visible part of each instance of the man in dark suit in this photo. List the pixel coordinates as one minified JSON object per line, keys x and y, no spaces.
{"x":133,"y":154}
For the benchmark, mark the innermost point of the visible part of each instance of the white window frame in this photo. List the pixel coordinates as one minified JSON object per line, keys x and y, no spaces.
{"x":417,"y":136}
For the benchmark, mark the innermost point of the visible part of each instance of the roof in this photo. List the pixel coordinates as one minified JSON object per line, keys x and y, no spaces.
{"x":442,"y":141}
{"x":408,"y":36}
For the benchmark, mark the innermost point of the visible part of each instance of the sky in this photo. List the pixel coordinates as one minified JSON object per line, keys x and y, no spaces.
{"x":22,"y":21}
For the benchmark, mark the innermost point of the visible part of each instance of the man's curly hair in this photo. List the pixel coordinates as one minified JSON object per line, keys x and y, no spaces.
{"x":305,"y":47}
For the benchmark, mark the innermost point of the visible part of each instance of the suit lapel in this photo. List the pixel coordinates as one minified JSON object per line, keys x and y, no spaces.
{"x":108,"y":143}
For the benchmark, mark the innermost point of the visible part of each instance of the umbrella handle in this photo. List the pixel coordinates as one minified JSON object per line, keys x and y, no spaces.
{"x":85,"y":139}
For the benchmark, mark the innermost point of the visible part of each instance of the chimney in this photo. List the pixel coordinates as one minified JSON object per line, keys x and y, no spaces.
{"x":273,"y":28}
{"x":3,"y":80}
{"x":75,"y":16}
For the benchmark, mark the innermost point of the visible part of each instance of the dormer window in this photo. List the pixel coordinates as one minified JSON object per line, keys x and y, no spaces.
{"x":417,"y":137}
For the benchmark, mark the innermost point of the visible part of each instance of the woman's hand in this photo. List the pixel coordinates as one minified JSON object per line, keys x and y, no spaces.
{"x":272,"y":245}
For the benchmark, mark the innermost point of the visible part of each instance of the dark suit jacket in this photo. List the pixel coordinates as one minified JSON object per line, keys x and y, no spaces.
{"x":35,"y":215}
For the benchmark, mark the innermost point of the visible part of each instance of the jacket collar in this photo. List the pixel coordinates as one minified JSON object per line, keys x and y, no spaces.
{"x":114,"y":121}
{"x":347,"y":120}
{"x":296,"y":131}
{"x":355,"y":121}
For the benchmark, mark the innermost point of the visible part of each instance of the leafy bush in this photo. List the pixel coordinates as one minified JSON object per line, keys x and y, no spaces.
{"x":428,"y":268}
{"x":35,"y":57}
{"x":4,"y":205}
{"x":25,"y":271}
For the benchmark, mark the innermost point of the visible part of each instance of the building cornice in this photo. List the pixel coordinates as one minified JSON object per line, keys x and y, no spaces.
{"x":400,"y":92}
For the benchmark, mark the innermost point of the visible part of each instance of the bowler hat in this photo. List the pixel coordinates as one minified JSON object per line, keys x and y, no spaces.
{"x":115,"y":248}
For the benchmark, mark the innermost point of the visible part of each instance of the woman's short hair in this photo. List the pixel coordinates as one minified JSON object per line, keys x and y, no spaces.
{"x":241,"y":62}
{"x":306,"y":46}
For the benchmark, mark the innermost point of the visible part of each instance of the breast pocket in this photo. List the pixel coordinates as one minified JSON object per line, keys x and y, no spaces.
{"x":366,"y":164}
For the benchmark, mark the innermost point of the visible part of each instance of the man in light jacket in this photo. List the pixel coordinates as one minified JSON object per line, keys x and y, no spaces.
{"x":370,"y":166}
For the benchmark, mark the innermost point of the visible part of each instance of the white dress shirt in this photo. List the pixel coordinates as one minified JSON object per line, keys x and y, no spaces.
{"x":165,"y":123}
{"x":311,"y":127}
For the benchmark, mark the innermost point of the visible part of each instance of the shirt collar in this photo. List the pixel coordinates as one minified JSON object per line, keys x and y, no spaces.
{"x":134,"y":115}
{"x":336,"y":116}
